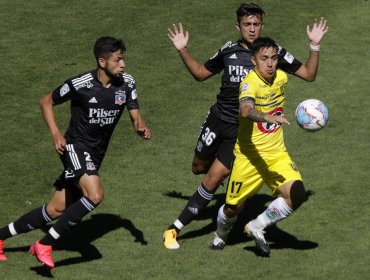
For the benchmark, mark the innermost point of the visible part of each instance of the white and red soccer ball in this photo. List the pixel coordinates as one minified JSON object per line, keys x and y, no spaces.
{"x":312,"y":115}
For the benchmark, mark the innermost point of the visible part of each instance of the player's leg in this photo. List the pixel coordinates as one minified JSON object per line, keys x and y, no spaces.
{"x":291,"y":195}
{"x":197,"y":202}
{"x":83,"y":191}
{"x":279,"y":209}
{"x":226,"y":217}
{"x":206,"y":159}
{"x":201,"y":166}
{"x":82,"y":181}
{"x":286,"y":182}
{"x":216,"y":139}
{"x":243,"y":183}
{"x":34,"y":219}
{"x":203,"y":196}
{"x":294,"y":193}
{"x":56,"y":206}
{"x":207,"y":144}
{"x":92,"y":195}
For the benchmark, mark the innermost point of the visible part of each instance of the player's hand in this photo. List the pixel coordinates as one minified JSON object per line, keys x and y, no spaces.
{"x":318,"y":31}
{"x":276,"y":119}
{"x":178,"y":36}
{"x":59,"y":143}
{"x":145,"y":133}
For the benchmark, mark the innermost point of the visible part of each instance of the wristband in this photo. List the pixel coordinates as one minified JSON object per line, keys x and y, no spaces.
{"x":314,"y":48}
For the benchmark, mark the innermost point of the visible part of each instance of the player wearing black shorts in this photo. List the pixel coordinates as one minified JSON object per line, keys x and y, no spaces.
{"x":97,"y":99}
{"x":214,"y":149}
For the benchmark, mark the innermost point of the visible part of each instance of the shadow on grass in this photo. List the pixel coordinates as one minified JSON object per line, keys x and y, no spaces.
{"x":277,"y":238}
{"x":81,"y":237}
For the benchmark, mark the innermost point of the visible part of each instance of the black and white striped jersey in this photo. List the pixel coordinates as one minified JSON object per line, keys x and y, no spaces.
{"x":95,"y":110}
{"x":236,"y":61}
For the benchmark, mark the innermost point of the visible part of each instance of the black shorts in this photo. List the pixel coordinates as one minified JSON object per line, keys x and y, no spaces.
{"x":217,"y":140}
{"x":77,"y":160}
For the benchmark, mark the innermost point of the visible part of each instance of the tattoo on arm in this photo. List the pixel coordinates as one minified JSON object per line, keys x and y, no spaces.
{"x":256,"y":116}
{"x":253,"y":114}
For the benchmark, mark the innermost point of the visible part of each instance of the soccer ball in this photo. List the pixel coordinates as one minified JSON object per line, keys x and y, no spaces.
{"x":312,"y":115}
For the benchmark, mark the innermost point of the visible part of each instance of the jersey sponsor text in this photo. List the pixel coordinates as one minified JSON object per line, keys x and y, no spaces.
{"x":102,"y":117}
{"x":237,"y":73}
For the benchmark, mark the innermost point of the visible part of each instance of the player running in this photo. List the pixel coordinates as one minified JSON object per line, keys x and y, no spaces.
{"x":98,"y":99}
{"x":213,"y":154}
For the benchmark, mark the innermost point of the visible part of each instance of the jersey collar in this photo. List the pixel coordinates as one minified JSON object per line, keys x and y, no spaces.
{"x":263,"y":80}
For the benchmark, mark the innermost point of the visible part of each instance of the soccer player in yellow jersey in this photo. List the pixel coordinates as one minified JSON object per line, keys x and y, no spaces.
{"x":260,"y":153}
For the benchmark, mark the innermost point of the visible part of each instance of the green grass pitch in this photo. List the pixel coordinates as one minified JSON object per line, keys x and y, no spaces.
{"x":146,"y":183}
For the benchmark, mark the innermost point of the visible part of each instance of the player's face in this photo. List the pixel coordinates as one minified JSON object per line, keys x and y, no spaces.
{"x":115,"y":64}
{"x":265,"y":61}
{"x":250,"y":28}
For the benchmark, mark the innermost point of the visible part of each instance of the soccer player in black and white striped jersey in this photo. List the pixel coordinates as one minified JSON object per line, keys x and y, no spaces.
{"x":98,"y":99}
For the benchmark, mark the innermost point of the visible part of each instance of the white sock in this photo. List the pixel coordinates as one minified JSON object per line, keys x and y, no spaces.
{"x":178,"y":224}
{"x":224,"y":224}
{"x":275,"y":212}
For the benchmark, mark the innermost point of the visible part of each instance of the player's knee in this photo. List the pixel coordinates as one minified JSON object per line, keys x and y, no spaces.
{"x":199,"y":168}
{"x":231,"y":210}
{"x":297,"y":194}
{"x":96,"y":197}
{"x":54,"y":211}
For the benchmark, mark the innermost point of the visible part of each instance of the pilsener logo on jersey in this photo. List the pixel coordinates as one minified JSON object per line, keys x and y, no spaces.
{"x":102,"y":117}
{"x":237,"y":73}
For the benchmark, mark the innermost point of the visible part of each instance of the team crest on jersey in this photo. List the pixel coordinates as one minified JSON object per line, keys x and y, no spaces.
{"x":244,"y":87}
{"x":64,"y":90}
{"x":120,"y":97}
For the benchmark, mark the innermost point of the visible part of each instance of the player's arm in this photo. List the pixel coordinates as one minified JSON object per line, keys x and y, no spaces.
{"x":308,"y":71}
{"x":248,"y":111}
{"x":46,"y":105}
{"x":139,"y":124}
{"x":180,"y":39}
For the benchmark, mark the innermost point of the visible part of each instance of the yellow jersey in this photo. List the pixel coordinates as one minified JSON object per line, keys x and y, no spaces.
{"x":262,"y":137}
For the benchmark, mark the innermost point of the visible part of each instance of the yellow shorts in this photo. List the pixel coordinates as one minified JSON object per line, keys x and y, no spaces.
{"x":249,"y":172}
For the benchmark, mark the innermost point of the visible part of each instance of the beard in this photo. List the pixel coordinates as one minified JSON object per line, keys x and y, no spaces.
{"x":110,"y":74}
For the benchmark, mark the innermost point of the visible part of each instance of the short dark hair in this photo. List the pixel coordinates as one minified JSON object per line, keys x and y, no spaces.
{"x":263,"y":42}
{"x":104,"y":46}
{"x":249,"y":9}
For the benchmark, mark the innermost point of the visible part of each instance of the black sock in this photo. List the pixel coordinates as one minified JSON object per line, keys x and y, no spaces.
{"x":29,"y":221}
{"x":5,"y":233}
{"x":71,"y":216}
{"x":197,"y":202}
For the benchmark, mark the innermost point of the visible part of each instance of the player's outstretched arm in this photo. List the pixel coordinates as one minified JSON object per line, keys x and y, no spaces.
{"x":46,"y":105}
{"x":308,"y":71}
{"x":139,"y":124}
{"x":180,"y":38}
